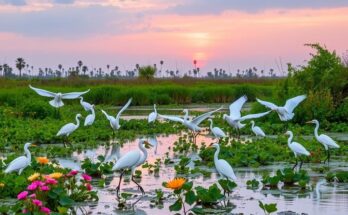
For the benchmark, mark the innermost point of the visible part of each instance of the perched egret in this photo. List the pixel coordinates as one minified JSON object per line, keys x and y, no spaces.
{"x":115,"y":122}
{"x":235,"y":118}
{"x":20,"y":163}
{"x":153,"y":115}
{"x":217,"y":132}
{"x":327,"y":141}
{"x":131,"y":160}
{"x":90,"y":118}
{"x":285,"y":113}
{"x":69,"y":128}
{"x":257,"y":130}
{"x":296,"y":148}
{"x":192,"y":125}
{"x":58,"y":97}
{"x":87,"y":106}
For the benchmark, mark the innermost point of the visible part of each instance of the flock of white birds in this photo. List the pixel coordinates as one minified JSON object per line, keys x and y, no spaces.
{"x":133,"y":159}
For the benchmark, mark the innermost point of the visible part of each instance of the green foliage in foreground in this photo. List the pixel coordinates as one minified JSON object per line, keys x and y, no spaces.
{"x":339,"y":176}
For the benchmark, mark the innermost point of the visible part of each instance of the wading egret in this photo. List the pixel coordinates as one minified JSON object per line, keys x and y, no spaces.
{"x":235,"y":118}
{"x":327,"y":141}
{"x":115,"y":122}
{"x":131,"y":160}
{"x":58,"y":97}
{"x":296,"y":148}
{"x":90,"y":118}
{"x":87,"y":106}
{"x":20,"y":163}
{"x":153,"y":115}
{"x":192,"y":125}
{"x":69,"y":128}
{"x":217,"y":132}
{"x":257,"y":130}
{"x":285,"y":113}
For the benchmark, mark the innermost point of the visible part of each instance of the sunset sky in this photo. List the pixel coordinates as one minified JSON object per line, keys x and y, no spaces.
{"x":228,"y":34}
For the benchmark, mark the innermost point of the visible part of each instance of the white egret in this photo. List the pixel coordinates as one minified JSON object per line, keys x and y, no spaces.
{"x":192,"y":125}
{"x":87,"y":106}
{"x":131,"y":160}
{"x":285,"y":113}
{"x":20,"y":163}
{"x":217,"y":132}
{"x":257,"y":130}
{"x":115,"y":122}
{"x":296,"y":148}
{"x":58,"y":97}
{"x":235,"y":118}
{"x":327,"y":141}
{"x":154,"y":143}
{"x":69,"y":128}
{"x":153,"y":115}
{"x":90,"y":118}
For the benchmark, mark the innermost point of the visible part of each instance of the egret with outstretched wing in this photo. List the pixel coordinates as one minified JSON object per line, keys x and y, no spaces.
{"x":115,"y":121}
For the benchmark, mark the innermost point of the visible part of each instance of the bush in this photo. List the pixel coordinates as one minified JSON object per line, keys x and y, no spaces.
{"x":147,"y":72}
{"x":36,"y":110}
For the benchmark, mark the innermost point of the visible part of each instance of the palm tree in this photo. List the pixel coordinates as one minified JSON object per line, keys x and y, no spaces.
{"x":0,"y":69}
{"x":20,"y":64}
{"x":161,"y":63}
{"x":84,"y":69}
{"x":80,"y":64}
{"x":195,"y":63}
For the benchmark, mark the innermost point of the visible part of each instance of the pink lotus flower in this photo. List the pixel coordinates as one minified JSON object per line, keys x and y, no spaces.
{"x":33,"y":196}
{"x":73,"y":172}
{"x":45,"y":210}
{"x":37,"y":202}
{"x":51,"y":181}
{"x":86,"y":177}
{"x":88,"y":186}
{"x":22,"y":195}
{"x":44,"y":188}
{"x":32,"y":186}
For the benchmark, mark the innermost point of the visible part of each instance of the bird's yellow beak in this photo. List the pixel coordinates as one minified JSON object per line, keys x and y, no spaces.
{"x":309,"y":122}
{"x":211,"y":144}
{"x":33,"y":145}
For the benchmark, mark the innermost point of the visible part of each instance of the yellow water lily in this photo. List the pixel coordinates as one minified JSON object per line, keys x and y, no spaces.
{"x":34,"y":176}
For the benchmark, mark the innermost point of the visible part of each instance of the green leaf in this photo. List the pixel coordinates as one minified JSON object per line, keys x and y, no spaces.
{"x":62,"y":210}
{"x":190,"y":197}
{"x":66,"y":201}
{"x":187,"y":186}
{"x":126,"y":195}
{"x":176,"y":206}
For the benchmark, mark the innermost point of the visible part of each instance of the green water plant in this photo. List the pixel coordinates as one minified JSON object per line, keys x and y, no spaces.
{"x":268,"y":208}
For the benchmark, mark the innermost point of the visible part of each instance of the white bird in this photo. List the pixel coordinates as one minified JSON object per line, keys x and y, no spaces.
{"x":235,"y":118}
{"x":222,"y":166}
{"x":87,"y":106}
{"x":131,"y":160}
{"x":20,"y":163}
{"x":90,"y":118}
{"x":115,"y":122}
{"x":58,"y":97}
{"x":192,"y":125}
{"x":296,"y":148}
{"x":217,"y":132}
{"x":154,"y":143}
{"x":327,"y":141}
{"x":153,"y":115}
{"x":257,"y":130}
{"x":69,"y":128}
{"x":285,"y":113}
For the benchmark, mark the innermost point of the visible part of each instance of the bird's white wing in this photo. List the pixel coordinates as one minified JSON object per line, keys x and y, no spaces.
{"x":236,"y":107}
{"x":225,"y":169}
{"x":328,"y":141}
{"x":152,"y":117}
{"x":128,"y":160}
{"x":253,"y":116}
{"x":197,"y":120}
{"x":291,"y":104}
{"x":68,"y":128}
{"x":89,"y":119}
{"x":267,"y":104}
{"x":298,"y":148}
{"x":259,"y":131}
{"x":172,"y":118}
{"x":123,"y":109}
{"x":42,"y":92}
{"x":73,"y":95}
{"x":218,"y":132}
{"x":17,"y":164}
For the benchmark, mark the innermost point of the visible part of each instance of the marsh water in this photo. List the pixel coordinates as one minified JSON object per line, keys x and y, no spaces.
{"x":323,"y":198}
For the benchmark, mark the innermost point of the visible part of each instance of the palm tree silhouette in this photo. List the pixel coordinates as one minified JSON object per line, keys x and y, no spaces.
{"x":80,"y":64}
{"x":20,"y":64}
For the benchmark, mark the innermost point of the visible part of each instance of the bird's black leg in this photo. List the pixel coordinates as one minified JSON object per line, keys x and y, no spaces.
{"x":301,"y":164}
{"x":295,"y":165}
{"x":238,"y":133}
{"x":328,"y":156}
{"x":141,"y":189}
{"x":119,"y":186}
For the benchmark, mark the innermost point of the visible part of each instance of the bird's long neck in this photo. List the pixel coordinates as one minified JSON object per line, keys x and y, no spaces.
{"x":142,"y":148}
{"x":27,"y":153}
{"x":81,"y":99}
{"x":92,"y":109}
{"x":77,"y":121}
{"x":211,"y":125}
{"x":186,"y":116}
{"x":216,"y":155}
{"x":316,"y":129}
{"x":290,"y":138}
{"x":154,"y":107}
{"x":252,"y":124}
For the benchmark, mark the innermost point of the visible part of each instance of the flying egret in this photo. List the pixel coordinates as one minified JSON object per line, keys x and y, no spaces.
{"x":115,"y":122}
{"x":90,"y":118}
{"x":296,"y":148}
{"x":131,"y":160}
{"x":69,"y":128}
{"x":153,"y":115}
{"x":235,"y":118}
{"x":192,"y":125}
{"x":20,"y":163}
{"x":58,"y":97}
{"x":257,"y":130}
{"x":217,"y":132}
{"x":285,"y":113}
{"x":327,"y":141}
{"x":87,"y":106}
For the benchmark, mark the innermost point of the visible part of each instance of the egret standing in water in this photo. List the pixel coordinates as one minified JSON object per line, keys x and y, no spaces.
{"x":115,"y":122}
{"x":20,"y":163}
{"x":257,"y":130}
{"x":90,"y":118}
{"x":327,"y":141}
{"x":69,"y":128}
{"x":153,"y":115}
{"x":87,"y":106}
{"x":296,"y":148}
{"x":131,"y":160}
{"x":217,"y":132}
